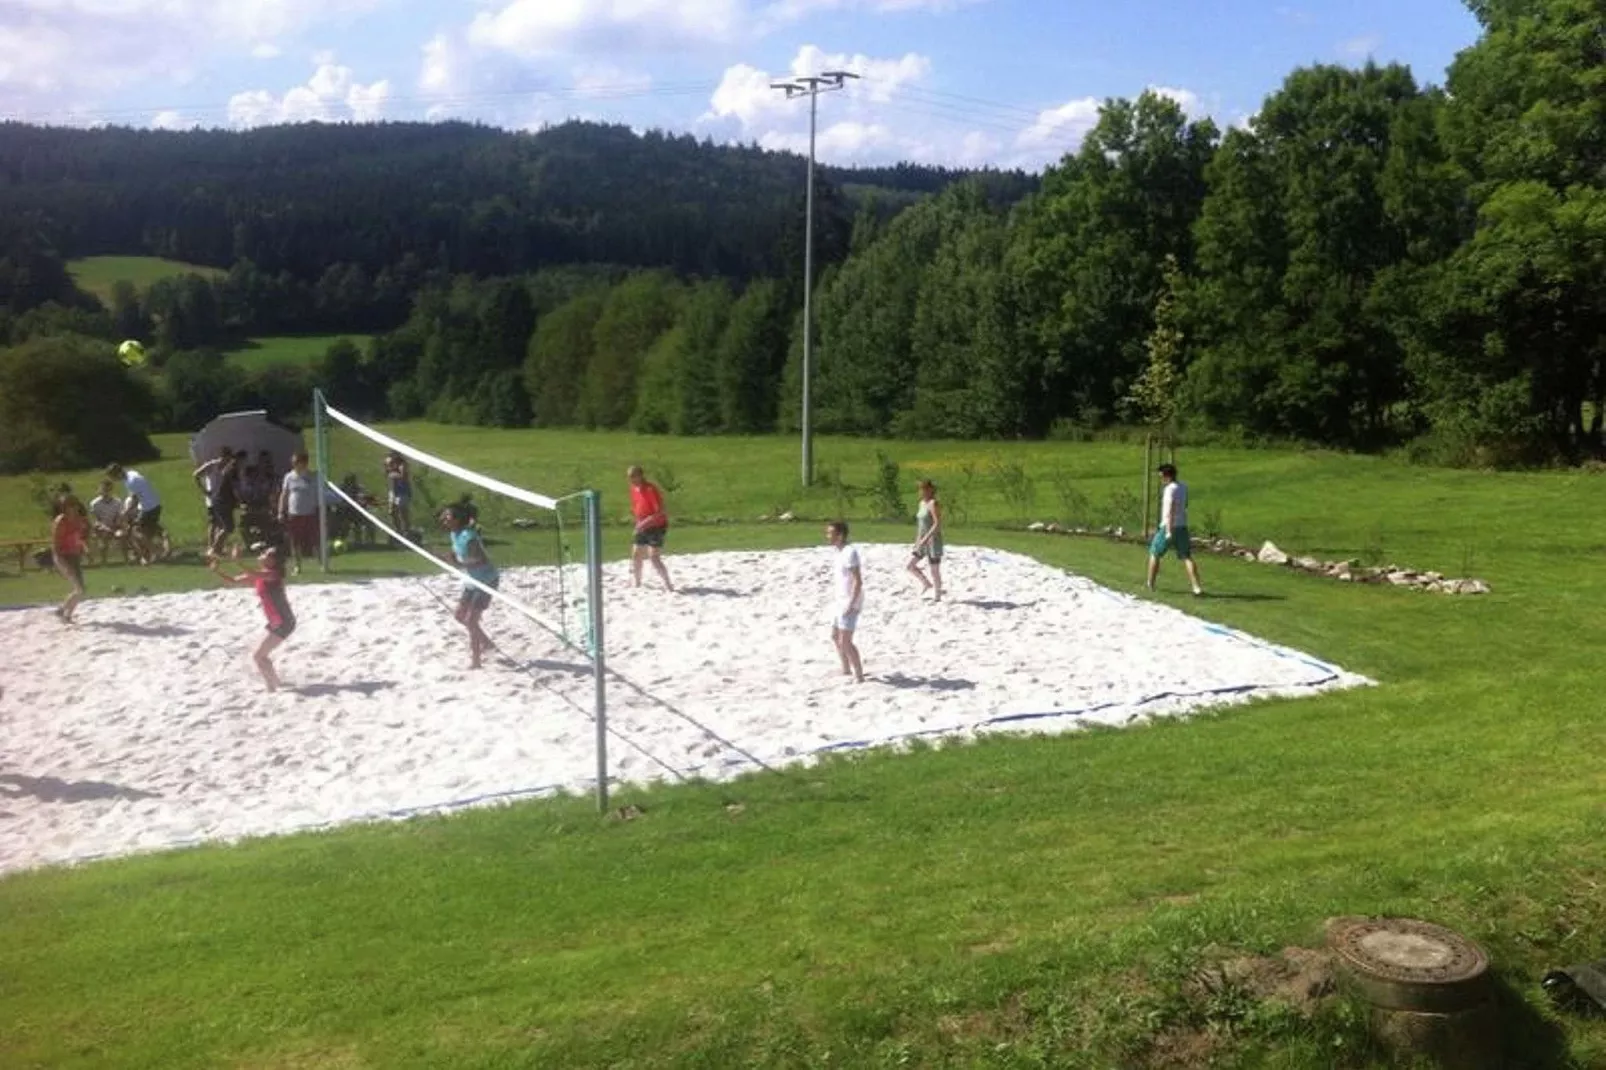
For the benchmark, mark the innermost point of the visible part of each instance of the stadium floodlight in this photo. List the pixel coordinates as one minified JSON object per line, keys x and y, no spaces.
{"x":810,"y":86}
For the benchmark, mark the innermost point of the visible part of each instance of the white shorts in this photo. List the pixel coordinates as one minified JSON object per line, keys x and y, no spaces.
{"x":845,"y":620}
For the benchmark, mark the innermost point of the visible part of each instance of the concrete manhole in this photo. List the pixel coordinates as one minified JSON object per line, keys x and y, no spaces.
{"x":1409,"y":965}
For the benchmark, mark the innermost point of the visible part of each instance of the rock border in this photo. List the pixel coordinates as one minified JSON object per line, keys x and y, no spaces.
{"x":1350,"y":571}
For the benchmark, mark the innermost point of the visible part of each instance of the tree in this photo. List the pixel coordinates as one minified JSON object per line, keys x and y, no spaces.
{"x":1512,"y":354}
{"x":1292,"y":241}
{"x":558,"y":356}
{"x":750,"y":357}
{"x":1154,"y":394}
{"x":67,"y":402}
{"x":1088,"y":251}
{"x":636,"y":312}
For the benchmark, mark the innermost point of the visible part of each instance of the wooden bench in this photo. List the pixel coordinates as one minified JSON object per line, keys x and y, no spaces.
{"x":22,"y":546}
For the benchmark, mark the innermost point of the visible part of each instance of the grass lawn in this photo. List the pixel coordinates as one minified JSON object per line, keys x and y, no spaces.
{"x":300,"y":349}
{"x":1017,"y":903}
{"x":98,"y":274}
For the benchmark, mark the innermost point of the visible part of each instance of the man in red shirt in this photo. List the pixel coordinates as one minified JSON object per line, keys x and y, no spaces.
{"x":652,"y":523}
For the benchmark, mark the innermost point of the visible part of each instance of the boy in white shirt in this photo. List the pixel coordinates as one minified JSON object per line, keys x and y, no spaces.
{"x":106,"y":521}
{"x":849,"y":599}
{"x":1173,"y":529}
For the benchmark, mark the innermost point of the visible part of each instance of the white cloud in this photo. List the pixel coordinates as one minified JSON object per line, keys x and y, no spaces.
{"x":744,"y":92}
{"x":332,"y":94}
{"x":266,"y":50}
{"x":172,"y":120}
{"x":784,"y":11}
{"x":1360,"y":48}
{"x":546,"y":28}
{"x":606,"y":80}
{"x":1068,"y":123}
{"x":63,"y":56}
{"x":1186,"y":99}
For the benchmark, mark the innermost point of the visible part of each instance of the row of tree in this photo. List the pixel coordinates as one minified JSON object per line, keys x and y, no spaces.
{"x":1369,"y":262}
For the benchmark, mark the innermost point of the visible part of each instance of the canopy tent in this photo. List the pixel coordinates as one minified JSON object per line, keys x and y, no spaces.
{"x":248,"y":431}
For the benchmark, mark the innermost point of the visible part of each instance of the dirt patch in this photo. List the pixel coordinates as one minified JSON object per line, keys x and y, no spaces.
{"x":1296,"y":976}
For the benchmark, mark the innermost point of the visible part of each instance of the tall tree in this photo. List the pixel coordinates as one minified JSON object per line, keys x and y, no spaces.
{"x":1292,"y":240}
{"x":1089,"y":248}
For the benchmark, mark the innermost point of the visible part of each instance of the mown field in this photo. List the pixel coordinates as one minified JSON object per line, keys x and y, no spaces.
{"x":98,"y":274}
{"x":1018,"y":903}
{"x":301,"y":350}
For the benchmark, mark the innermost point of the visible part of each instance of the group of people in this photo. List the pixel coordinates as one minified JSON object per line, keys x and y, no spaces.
{"x":273,"y":509}
{"x":297,"y":509}
{"x":132,"y":521}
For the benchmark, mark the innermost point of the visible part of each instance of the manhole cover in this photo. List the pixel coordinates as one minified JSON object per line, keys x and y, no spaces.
{"x":1405,"y":964}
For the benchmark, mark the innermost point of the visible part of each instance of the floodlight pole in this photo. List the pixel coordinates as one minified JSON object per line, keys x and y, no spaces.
{"x":811,"y":86}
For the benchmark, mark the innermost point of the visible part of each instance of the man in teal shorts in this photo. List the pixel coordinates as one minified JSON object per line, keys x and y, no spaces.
{"x":1173,"y":530}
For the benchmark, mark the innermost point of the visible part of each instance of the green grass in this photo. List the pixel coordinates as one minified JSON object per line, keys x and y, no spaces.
{"x":299,"y":349}
{"x":1024,"y":902}
{"x":98,"y":274}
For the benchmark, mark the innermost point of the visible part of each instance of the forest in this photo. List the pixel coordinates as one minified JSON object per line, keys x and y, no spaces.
{"x":1370,"y":263}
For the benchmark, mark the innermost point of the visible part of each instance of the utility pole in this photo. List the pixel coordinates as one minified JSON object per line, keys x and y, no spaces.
{"x":810,"y":87}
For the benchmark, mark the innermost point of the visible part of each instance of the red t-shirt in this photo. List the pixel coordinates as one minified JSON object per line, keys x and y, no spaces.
{"x":67,"y":536}
{"x":275,"y":606}
{"x":646,"y":501}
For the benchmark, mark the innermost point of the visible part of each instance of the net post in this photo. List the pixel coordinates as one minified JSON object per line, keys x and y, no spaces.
{"x":593,"y":521}
{"x":320,"y":459}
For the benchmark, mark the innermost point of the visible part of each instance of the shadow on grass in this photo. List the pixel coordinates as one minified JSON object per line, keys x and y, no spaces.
{"x":54,"y":789}
{"x":144,"y":631}
{"x":1527,"y":1038}
{"x":362,"y":687}
{"x":1213,"y":596}
{"x":925,"y":683}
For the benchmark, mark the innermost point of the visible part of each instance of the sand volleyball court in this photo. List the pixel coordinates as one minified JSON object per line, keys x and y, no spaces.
{"x":145,"y":727}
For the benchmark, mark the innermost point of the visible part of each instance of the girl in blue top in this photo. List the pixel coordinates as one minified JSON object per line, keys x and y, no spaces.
{"x":469,"y":549}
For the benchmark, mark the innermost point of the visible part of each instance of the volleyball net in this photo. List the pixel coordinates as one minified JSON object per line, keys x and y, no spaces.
{"x":382,"y":495}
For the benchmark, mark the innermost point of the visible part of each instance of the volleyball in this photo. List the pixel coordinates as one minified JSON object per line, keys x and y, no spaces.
{"x":131,"y":353}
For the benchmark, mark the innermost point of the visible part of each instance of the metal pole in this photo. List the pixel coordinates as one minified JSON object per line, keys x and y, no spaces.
{"x":322,"y":458}
{"x":593,"y":508}
{"x":813,"y":86}
{"x":808,"y":301}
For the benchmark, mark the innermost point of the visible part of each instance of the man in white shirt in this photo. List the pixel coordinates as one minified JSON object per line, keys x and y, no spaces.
{"x":148,"y":530}
{"x":1173,"y":529}
{"x":849,"y":599}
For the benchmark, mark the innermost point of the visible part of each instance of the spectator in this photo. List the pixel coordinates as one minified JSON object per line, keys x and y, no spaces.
{"x":298,"y":510}
{"x":106,"y":521}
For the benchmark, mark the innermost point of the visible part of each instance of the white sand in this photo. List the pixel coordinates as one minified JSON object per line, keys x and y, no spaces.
{"x":146,"y":727}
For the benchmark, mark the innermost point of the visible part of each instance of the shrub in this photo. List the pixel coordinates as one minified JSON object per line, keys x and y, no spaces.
{"x":67,"y":402}
{"x":888,"y":490}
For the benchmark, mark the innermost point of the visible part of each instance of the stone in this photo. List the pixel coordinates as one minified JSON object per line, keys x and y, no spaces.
{"x":1469,"y":587}
{"x":786,"y":518}
{"x":1037,"y":525}
{"x":1270,"y":555}
{"x":1054,"y":529}
{"x":1309,"y":564}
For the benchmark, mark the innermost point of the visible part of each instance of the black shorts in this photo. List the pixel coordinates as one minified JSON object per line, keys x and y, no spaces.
{"x":222,"y":518}
{"x":73,"y":566}
{"x":284,"y":629}
{"x":474,"y":598}
{"x":151,"y":523}
{"x":653,"y":537}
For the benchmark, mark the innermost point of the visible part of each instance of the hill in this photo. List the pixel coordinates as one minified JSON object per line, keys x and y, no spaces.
{"x":451,"y":196}
{"x":97,"y":275}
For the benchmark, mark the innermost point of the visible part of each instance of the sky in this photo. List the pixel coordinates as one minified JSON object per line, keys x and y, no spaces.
{"x":1007,"y":83}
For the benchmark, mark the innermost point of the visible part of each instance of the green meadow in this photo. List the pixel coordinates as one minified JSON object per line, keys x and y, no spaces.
{"x":98,"y":274}
{"x":1043,"y":902}
{"x":302,"y":350}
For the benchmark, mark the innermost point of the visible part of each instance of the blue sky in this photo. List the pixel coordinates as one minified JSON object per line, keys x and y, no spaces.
{"x":1007,"y":82}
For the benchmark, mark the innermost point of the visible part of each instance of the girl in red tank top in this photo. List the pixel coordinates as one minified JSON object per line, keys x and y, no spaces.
{"x":269,"y":584}
{"x":68,"y":532}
